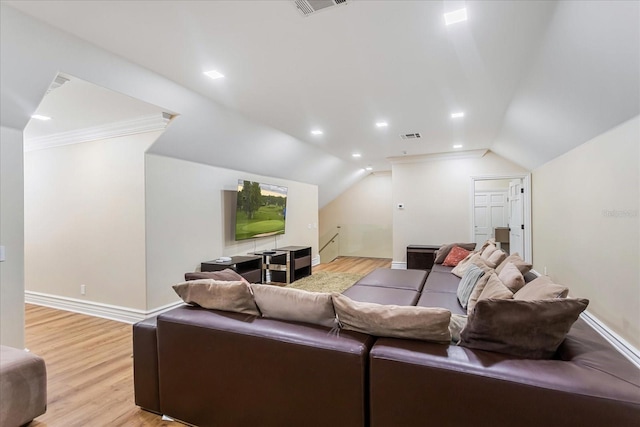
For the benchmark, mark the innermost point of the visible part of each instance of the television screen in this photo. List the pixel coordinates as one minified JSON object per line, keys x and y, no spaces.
{"x":261,"y":210}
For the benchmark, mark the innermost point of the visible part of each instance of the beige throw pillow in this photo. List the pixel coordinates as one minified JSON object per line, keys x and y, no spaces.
{"x":486,"y":253}
{"x":540,"y":289}
{"x":477,"y":290}
{"x":490,"y":241}
{"x":495,"y":289}
{"x":218,"y":295}
{"x":511,"y":277}
{"x":456,"y":325}
{"x":420,"y":323}
{"x":227,"y":275}
{"x":522,"y":265}
{"x":463,"y":265}
{"x":496,"y":257}
{"x":294,"y":304}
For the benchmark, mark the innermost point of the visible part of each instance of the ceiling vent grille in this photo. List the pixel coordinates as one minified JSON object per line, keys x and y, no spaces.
{"x":309,"y":7}
{"x":411,"y":136}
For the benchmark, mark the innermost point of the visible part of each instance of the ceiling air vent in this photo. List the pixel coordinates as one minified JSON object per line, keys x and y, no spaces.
{"x":308,"y":7}
{"x":411,"y":136}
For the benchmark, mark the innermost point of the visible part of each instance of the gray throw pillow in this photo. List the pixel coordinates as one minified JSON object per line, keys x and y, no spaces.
{"x":528,"y":329}
{"x":467,"y":283}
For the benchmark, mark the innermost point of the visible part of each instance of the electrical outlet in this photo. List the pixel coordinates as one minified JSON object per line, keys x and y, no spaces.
{"x":83,"y":289}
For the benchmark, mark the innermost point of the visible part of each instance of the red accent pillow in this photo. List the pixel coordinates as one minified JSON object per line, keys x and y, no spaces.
{"x":456,"y":255}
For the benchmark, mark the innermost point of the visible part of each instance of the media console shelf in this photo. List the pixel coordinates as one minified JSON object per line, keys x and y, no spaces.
{"x":299,"y":262}
{"x":249,"y":267}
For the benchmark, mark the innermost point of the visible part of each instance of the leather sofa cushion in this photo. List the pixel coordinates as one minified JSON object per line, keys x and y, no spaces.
{"x":441,"y":282}
{"x":448,"y":300}
{"x":441,"y":268}
{"x":399,"y":279}
{"x":380,"y":295}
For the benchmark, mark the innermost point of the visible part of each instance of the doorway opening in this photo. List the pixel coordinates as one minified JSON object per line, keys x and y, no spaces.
{"x":501,"y":209}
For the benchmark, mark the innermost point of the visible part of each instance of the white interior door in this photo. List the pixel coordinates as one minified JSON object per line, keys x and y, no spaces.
{"x":481,"y":216}
{"x":490,"y":211}
{"x":516,"y":217}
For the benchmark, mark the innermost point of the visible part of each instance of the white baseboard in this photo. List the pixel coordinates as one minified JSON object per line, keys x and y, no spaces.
{"x":315,"y":261}
{"x":398,"y":265}
{"x":97,"y":309}
{"x":622,"y":345}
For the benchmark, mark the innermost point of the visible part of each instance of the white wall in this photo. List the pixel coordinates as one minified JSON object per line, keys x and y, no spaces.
{"x":436,"y":192}
{"x":12,"y":238}
{"x":188,"y":220}
{"x":84,"y":220}
{"x":586,"y":227}
{"x":364,"y":214}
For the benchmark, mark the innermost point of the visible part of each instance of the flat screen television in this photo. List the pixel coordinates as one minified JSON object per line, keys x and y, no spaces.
{"x":261,"y":210}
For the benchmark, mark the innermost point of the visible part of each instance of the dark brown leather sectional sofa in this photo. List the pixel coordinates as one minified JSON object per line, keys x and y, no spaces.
{"x":215,"y":368}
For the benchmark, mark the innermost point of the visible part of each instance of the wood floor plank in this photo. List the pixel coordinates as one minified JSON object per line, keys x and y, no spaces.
{"x":90,"y":365}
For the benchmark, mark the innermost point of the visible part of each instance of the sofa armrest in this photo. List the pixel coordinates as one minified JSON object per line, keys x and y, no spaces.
{"x":231,"y":369}
{"x":412,"y":381}
{"x":145,"y":365}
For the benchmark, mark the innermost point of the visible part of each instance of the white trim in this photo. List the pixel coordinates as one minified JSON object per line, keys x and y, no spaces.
{"x":150,"y":123}
{"x":470,"y":154}
{"x":398,"y":265}
{"x":315,"y":261}
{"x":622,"y":345}
{"x":97,"y":309}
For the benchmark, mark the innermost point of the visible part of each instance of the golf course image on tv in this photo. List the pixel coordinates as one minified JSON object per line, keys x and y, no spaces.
{"x":261,"y":210}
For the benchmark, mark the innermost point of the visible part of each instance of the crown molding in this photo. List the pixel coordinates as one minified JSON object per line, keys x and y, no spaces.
{"x":470,"y":154}
{"x":151,"y":123}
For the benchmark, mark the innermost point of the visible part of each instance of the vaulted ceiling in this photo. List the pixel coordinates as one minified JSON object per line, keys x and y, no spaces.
{"x":533,"y":78}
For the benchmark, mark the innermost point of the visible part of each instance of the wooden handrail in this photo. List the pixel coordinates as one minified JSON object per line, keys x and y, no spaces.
{"x":330,"y":241}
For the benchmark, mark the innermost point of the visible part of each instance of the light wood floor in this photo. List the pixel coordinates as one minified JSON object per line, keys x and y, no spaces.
{"x":90,"y":366}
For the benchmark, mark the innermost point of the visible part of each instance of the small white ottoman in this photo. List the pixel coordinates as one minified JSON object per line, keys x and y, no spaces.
{"x":23,"y":387}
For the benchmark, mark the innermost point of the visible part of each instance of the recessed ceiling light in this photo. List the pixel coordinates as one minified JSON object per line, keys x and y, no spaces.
{"x":39,"y":117}
{"x":316,"y":132}
{"x":368,"y":168}
{"x":457,"y":146}
{"x":356,"y":155}
{"x":214,"y":74}
{"x":457,"y":115}
{"x":382,"y":124}
{"x":456,"y":16}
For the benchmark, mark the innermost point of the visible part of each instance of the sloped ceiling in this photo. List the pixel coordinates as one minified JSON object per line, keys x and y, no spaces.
{"x":534,"y":78}
{"x":584,"y":80}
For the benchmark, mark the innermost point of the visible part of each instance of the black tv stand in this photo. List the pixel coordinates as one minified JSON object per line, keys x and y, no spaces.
{"x":249,"y":267}
{"x":299,"y":262}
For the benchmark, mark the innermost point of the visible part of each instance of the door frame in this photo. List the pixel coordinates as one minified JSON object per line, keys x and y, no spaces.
{"x":526,"y":184}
